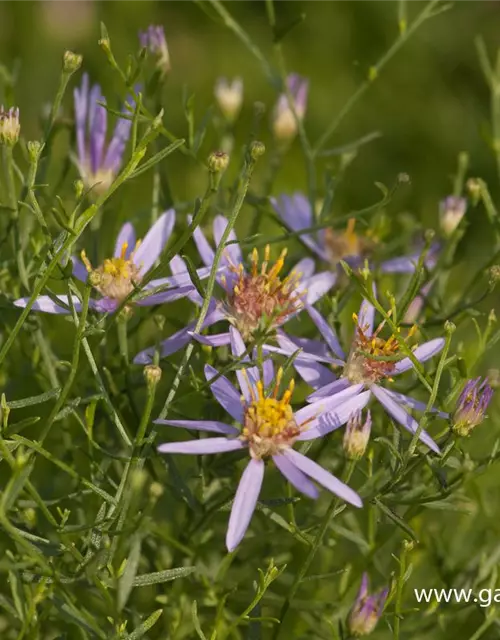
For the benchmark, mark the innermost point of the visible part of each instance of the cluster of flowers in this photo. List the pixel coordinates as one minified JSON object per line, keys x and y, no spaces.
{"x":257,"y":298}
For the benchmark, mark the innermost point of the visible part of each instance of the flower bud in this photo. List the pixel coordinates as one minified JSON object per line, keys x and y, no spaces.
{"x":152,"y":374}
{"x":257,"y":149}
{"x":451,"y":211}
{"x":494,"y":274}
{"x":153,"y":39}
{"x":218,"y":161}
{"x":471,"y":406}
{"x":9,"y":126}
{"x":229,"y":97}
{"x":34,"y":149}
{"x":71,"y":61}
{"x":284,"y":121}
{"x":367,"y":610}
{"x":474,"y":187}
{"x":357,"y":435}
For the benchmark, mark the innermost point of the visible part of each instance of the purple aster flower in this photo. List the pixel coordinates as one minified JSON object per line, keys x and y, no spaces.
{"x":371,"y":359}
{"x":98,"y":164}
{"x":471,"y":406}
{"x":357,"y":435}
{"x":267,"y":428}
{"x":118,"y":276}
{"x":367,"y":610}
{"x":284,"y":123}
{"x":252,"y":300}
{"x":451,"y":211}
{"x":333,"y":246}
{"x":153,"y":39}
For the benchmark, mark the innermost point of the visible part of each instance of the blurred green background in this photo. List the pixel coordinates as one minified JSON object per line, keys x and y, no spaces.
{"x":430,"y":103}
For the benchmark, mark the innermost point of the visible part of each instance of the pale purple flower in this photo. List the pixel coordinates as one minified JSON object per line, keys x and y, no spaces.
{"x":359,"y":372}
{"x":471,"y":406}
{"x":333,"y":246}
{"x":267,"y":428}
{"x":98,"y":163}
{"x":118,"y":276}
{"x":451,"y":211}
{"x":284,"y":122}
{"x":253,"y":299}
{"x":153,"y":39}
{"x":367,"y":609}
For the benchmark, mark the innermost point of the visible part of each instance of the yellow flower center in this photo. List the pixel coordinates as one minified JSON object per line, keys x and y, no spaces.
{"x":269,"y":425}
{"x":261,"y":299}
{"x":346,"y":243}
{"x":372,"y":358}
{"x":116,"y":277}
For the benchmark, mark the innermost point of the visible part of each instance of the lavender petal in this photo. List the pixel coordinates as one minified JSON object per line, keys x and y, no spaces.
{"x":401,"y":416}
{"x":295,"y":476}
{"x":79,"y":270}
{"x":116,"y":148}
{"x":323,"y":477}
{"x":204,"y":249}
{"x":401,"y":398}
{"x":202,"y":425}
{"x":126,"y":236}
{"x":244,"y":503}
{"x":225,"y":394}
{"x":98,"y":137}
{"x":232,"y":251}
{"x":332,"y":420}
{"x":318,"y":285}
{"x":329,"y":389}
{"x":155,"y":241}
{"x":304,"y":268}
{"x":47,"y":305}
{"x":202,"y":446}
{"x":422,"y":353}
{"x":215,"y":340}
{"x":318,"y":408}
{"x":327,"y":332}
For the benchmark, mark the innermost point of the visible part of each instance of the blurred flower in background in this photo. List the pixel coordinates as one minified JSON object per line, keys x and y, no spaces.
{"x":284,"y":121}
{"x":153,"y":39}
{"x":229,"y":96}
{"x":68,"y":20}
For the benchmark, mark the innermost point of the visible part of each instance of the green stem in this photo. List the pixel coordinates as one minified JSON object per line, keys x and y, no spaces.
{"x":11,"y":184}
{"x":327,"y":519}
{"x":66,"y":246}
{"x":243,"y":188}
{"x":80,"y":323}
{"x":374,"y":72}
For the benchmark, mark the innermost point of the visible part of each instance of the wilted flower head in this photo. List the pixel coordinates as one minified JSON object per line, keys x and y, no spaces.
{"x":154,"y":40}
{"x":451,"y":211}
{"x":98,"y":165}
{"x":367,"y":610}
{"x":471,"y":406}
{"x":9,"y":126}
{"x":229,"y":96}
{"x":357,"y":435}
{"x":284,"y":123}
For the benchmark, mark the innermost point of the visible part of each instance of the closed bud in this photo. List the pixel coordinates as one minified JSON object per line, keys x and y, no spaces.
{"x":218,"y":161}
{"x":257,"y":149}
{"x":471,"y":406}
{"x":71,"y":61}
{"x":152,"y":374}
{"x":34,"y":149}
{"x":78,"y":187}
{"x":494,"y":274}
{"x":474,"y":187}
{"x":284,"y":120}
{"x":10,"y":127}
{"x":229,"y":97}
{"x":366,"y":611}
{"x":357,"y":435}
{"x":451,"y":211}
